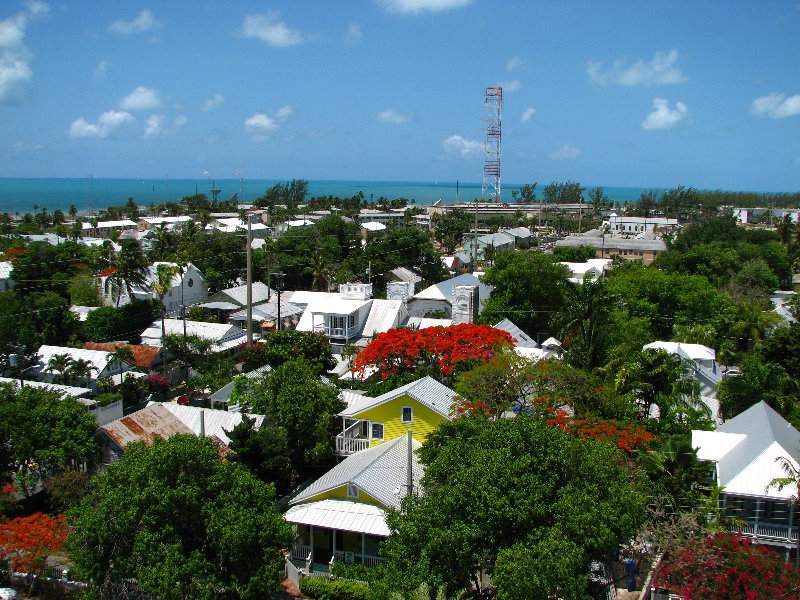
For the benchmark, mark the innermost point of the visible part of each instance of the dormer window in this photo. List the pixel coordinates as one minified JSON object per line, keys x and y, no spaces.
{"x":407,"y":414}
{"x":352,"y":490}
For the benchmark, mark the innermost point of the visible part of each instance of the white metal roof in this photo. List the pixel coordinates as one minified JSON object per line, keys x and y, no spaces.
{"x":98,"y":358}
{"x":63,"y":390}
{"x":426,"y":391}
{"x":216,"y":422}
{"x":383,"y":316}
{"x":223,"y":336}
{"x":690,"y":351}
{"x":521,"y":339}
{"x":5,"y":269}
{"x":343,"y":515}
{"x":380,"y":471}
{"x":373,"y":226}
{"x":746,"y":448}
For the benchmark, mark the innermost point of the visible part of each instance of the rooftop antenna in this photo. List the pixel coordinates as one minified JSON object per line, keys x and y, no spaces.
{"x":493,"y":101}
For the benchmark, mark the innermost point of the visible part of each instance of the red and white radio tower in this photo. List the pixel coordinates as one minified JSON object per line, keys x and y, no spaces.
{"x":493,"y":100}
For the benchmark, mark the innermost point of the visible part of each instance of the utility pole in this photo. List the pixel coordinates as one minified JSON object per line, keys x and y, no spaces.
{"x":279,"y":276}
{"x":410,"y":465}
{"x":249,"y":282}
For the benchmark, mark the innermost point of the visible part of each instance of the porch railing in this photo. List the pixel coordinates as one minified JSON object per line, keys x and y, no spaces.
{"x":300,"y":551}
{"x":349,"y":445}
{"x":368,"y":560}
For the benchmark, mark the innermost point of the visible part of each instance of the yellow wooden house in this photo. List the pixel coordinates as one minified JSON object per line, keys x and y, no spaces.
{"x":341,"y":516}
{"x":420,"y":406}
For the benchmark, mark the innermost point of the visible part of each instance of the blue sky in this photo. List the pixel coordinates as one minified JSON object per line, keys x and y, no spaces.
{"x":650,"y":94}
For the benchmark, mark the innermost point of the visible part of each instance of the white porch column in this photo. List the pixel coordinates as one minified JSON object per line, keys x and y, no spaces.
{"x":333,"y":534}
{"x":363,"y":548}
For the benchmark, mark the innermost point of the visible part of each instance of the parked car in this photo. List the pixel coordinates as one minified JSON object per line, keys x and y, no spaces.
{"x":8,"y":594}
{"x":191,"y":399}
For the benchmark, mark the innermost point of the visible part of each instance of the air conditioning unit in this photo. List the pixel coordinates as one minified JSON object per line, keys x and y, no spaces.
{"x":349,"y":557}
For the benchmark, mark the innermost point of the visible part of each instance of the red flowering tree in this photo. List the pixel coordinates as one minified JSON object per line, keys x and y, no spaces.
{"x":27,"y":542}
{"x":437,"y":350}
{"x":627,"y":436}
{"x":726,"y":566}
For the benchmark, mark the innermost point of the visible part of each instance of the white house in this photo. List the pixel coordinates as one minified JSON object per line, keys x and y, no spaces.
{"x":627,"y":225}
{"x":6,"y":283}
{"x":747,"y":453}
{"x":223,"y":337}
{"x":439,"y":297}
{"x":188,"y":288}
{"x":100,"y":362}
{"x":350,"y":316}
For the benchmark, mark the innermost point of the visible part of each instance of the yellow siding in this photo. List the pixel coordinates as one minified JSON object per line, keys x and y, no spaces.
{"x":425,"y":419}
{"x":341,"y":492}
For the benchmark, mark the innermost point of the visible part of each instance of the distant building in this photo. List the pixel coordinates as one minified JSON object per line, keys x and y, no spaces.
{"x":611,"y":246}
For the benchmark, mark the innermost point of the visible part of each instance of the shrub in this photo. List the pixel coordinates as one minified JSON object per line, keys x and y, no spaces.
{"x":320,"y":589}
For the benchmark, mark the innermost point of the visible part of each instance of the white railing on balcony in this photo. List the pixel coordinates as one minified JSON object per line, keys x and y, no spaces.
{"x":349,"y":445}
{"x":336,"y":332}
{"x":765,"y":530}
{"x":353,"y":431}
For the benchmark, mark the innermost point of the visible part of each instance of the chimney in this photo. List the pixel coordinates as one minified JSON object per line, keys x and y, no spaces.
{"x":465,"y":304}
{"x":399,"y":290}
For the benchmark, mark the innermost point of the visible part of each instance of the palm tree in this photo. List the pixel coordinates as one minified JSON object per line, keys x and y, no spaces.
{"x":60,"y":365}
{"x":792,"y":480}
{"x":121,"y":355}
{"x":583,"y":323}
{"x":130,"y":270}
{"x":785,"y":227}
{"x":162,"y":284}
{"x":80,"y":370}
{"x":320,"y":271}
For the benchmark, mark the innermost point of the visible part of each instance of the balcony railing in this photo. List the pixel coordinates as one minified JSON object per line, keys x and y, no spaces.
{"x":337,"y":332}
{"x":765,"y":531}
{"x":349,"y":445}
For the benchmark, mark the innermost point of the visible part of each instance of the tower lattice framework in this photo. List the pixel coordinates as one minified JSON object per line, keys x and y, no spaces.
{"x":493,"y":101}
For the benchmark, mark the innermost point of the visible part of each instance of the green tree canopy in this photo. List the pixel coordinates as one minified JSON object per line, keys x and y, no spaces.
{"x":182,"y":522}
{"x":499,"y":493}
{"x":528,"y":289}
{"x":43,"y":433}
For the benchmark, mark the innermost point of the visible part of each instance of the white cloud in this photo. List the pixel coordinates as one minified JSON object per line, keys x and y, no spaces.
{"x":456,"y":145}
{"x":141,"y":98}
{"x":566,"y":152}
{"x":663,"y":117}
{"x":142,"y":24}
{"x":101,"y":70}
{"x":213,"y":103}
{"x":527,"y":115}
{"x":270,"y":29}
{"x":513,"y":63}
{"x":260,"y":126}
{"x":353,"y":34}
{"x":512,"y":85}
{"x":659,"y":71}
{"x":154,"y":127}
{"x":390,"y":115}
{"x":107,"y":124}
{"x":776,"y":106}
{"x":15,"y":70}
{"x":180,"y":121}
{"x":415,"y":7}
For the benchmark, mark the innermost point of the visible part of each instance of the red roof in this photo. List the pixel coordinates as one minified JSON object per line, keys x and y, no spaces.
{"x":143,"y":355}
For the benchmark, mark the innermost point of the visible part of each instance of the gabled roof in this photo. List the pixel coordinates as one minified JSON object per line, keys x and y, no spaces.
{"x":380,"y":471}
{"x":427,"y":391}
{"x":238,"y":294}
{"x":143,"y":355}
{"x":383,"y":316}
{"x":405,"y":274}
{"x":521,"y":339}
{"x":224,"y":393}
{"x":746,"y":448}
{"x":221,"y":334}
{"x":98,"y":358}
{"x":444,"y":289}
{"x":61,"y":390}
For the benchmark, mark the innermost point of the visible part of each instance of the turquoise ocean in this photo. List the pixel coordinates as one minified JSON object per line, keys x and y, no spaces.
{"x":20,"y":195}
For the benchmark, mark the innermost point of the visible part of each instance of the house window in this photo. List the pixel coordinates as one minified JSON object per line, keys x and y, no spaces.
{"x":190,"y":283}
{"x":377,"y":431}
{"x":407,"y":414}
{"x":351,"y":321}
{"x":352,"y":490}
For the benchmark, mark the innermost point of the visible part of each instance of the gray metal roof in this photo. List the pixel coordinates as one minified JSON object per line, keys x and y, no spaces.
{"x":521,"y":339}
{"x":426,"y":391}
{"x":380,"y":471}
{"x":215,"y":422}
{"x":224,"y":393}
